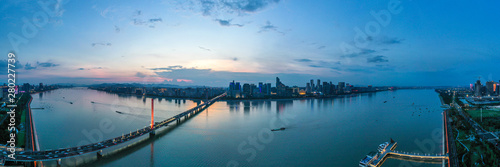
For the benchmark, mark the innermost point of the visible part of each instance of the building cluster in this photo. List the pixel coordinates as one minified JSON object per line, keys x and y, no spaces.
{"x":28,"y":88}
{"x":190,"y":92}
{"x":489,"y":89}
{"x":265,"y":90}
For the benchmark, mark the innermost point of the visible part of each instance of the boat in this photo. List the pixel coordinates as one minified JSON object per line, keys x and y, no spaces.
{"x":70,"y":102}
{"x":278,"y":129}
{"x":92,"y":102}
{"x":119,"y":112}
{"x":385,"y":101}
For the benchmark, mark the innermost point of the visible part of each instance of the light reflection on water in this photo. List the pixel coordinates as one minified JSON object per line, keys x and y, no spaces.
{"x":319,"y":132}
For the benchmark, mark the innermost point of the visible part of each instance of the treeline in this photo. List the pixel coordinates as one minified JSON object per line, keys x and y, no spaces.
{"x":21,"y":105}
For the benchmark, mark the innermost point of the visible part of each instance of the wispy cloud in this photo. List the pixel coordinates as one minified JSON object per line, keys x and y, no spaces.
{"x":227,"y":23}
{"x":140,"y":75}
{"x":240,"y":7}
{"x":28,"y":66}
{"x":377,"y":59}
{"x":303,"y":60}
{"x":203,"y":48}
{"x":269,"y":27}
{"x":390,"y":41}
{"x":47,"y":64}
{"x":360,"y":52}
{"x":100,"y":44}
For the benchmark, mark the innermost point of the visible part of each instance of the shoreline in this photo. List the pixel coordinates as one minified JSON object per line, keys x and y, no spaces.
{"x":243,"y":99}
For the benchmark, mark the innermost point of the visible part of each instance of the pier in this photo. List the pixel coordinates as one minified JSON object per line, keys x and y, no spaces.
{"x":390,"y":151}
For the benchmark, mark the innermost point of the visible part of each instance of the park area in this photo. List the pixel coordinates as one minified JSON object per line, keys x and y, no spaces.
{"x":490,"y":120}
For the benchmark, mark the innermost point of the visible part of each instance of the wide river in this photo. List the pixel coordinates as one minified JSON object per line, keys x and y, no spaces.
{"x":319,"y":132}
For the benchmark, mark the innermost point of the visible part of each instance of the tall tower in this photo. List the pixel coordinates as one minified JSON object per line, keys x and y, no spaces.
{"x":152,"y":133}
{"x":152,"y":113}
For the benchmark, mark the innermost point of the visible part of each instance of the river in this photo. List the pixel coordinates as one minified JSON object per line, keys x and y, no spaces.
{"x":319,"y":132}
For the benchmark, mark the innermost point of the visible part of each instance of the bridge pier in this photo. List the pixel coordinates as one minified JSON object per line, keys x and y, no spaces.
{"x":152,"y":134}
{"x":58,"y":162}
{"x":99,"y":155}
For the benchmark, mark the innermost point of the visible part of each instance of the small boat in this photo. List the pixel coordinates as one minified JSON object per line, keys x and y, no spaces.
{"x":92,"y":102}
{"x":70,"y":102}
{"x":119,"y":112}
{"x":385,"y":101}
{"x":278,"y":129}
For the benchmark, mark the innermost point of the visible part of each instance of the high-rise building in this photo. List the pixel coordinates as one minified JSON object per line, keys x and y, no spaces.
{"x":247,"y":90}
{"x":237,"y":86}
{"x":477,"y":89}
{"x":489,"y":88}
{"x":325,"y":88}
{"x":260,"y":87}
{"x":313,"y":88}
{"x":341,"y":87}
{"x":40,"y":86}
{"x":26,"y":87}
{"x":268,"y":89}
{"x":318,"y":87}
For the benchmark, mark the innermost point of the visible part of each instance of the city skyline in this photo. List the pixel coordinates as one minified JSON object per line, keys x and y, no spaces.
{"x":209,"y":43}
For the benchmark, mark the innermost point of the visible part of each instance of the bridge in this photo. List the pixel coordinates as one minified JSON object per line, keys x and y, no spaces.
{"x":63,"y":153}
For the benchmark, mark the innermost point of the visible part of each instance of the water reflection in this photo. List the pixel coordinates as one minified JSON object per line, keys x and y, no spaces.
{"x":282,"y":104}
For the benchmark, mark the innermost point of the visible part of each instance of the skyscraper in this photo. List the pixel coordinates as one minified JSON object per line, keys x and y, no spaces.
{"x":318,"y":87}
{"x":341,"y":87}
{"x":489,"y":88}
{"x":313,"y":88}
{"x":477,"y":89}
{"x":260,"y":87}
{"x":308,"y":88}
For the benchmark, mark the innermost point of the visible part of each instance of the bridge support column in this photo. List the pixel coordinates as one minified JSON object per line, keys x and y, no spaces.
{"x":99,"y":155}
{"x":58,"y":162}
{"x":152,"y":134}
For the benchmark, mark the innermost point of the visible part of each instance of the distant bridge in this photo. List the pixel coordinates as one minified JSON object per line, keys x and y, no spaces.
{"x":63,"y":153}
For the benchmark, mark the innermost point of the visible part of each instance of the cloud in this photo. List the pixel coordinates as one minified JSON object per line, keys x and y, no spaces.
{"x":377,"y":59}
{"x":227,"y":23}
{"x":360,"y":52}
{"x":101,"y":44}
{"x":140,"y":75}
{"x":321,"y":47}
{"x":81,"y":69}
{"x":240,"y":7}
{"x":235,"y":59}
{"x":47,"y":64}
{"x":117,"y":29}
{"x":390,"y":41}
{"x":303,"y":60}
{"x":203,"y":48}
{"x":270,"y":27}
{"x":154,"y":20}
{"x":4,"y":65}
{"x":169,"y":68}
{"x":29,"y":67}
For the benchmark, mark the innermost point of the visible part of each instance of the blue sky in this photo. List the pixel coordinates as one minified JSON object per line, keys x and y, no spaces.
{"x":211,"y":42}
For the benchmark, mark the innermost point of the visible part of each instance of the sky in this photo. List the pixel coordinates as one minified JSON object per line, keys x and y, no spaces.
{"x":212,"y":42}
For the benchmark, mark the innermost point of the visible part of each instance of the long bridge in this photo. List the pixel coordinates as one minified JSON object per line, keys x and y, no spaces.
{"x":97,"y":148}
